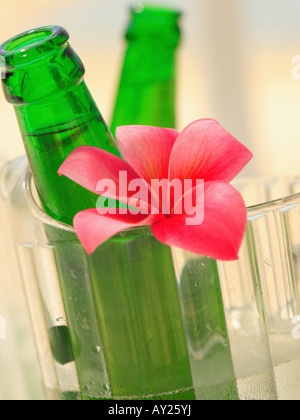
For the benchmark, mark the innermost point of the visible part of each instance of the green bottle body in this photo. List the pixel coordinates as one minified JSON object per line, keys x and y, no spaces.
{"x":146,"y":96}
{"x":43,"y":79}
{"x":147,"y":89}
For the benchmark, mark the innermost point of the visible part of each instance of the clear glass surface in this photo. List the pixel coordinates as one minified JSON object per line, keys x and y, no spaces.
{"x":20,"y":377}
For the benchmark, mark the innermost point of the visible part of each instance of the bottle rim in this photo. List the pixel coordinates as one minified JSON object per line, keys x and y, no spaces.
{"x":26,"y":47}
{"x":154,"y":21}
{"x":140,"y":8}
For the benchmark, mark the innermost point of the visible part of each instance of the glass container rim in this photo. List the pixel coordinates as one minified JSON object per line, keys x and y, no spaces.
{"x":254,"y":210}
{"x":44,"y":218}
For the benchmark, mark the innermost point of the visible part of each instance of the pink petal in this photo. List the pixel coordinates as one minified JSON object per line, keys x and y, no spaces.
{"x":93,"y":229}
{"x":205,"y":150}
{"x":222,"y":231}
{"x":190,"y":200}
{"x":147,"y":149}
{"x":88,"y":165}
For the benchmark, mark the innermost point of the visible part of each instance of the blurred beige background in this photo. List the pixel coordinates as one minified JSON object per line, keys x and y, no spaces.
{"x":237,"y":63}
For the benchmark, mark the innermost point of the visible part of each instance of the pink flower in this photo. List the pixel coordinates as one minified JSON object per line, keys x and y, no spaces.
{"x":202,"y":151}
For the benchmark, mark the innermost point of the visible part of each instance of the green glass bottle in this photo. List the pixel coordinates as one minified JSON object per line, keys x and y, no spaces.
{"x":154,"y":329}
{"x":43,"y":79}
{"x":146,"y":93}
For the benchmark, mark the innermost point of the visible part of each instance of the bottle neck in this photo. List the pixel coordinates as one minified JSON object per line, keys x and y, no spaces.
{"x":155,"y":23}
{"x":147,"y":87}
{"x":148,"y":61}
{"x":34,"y":71}
{"x":153,"y":37}
{"x":67,"y":108}
{"x":43,"y":79}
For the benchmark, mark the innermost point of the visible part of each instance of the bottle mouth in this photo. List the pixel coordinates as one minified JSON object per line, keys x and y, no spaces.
{"x":140,"y":8}
{"x":28,"y":40}
{"x":155,"y":22}
{"x":31,"y":45}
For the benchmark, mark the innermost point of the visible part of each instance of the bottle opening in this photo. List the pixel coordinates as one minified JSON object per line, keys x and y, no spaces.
{"x":154,"y":22}
{"x":29,"y":39}
{"x":33,"y":45}
{"x":141,"y":8}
